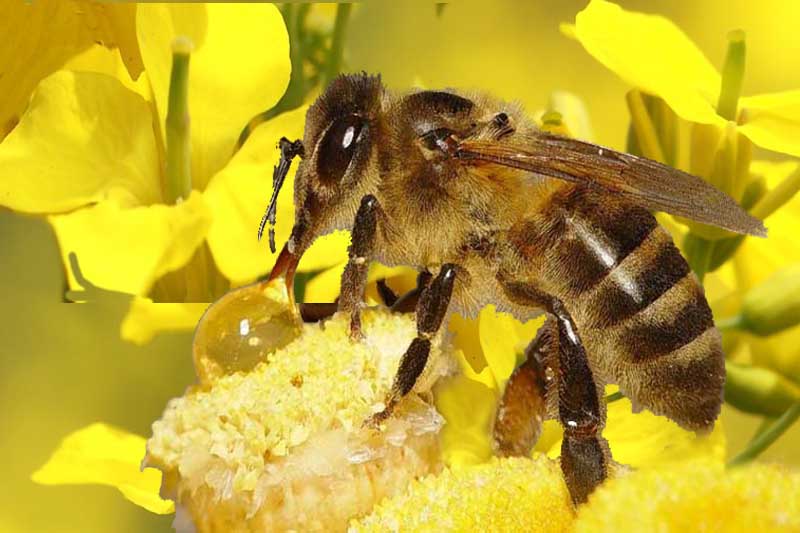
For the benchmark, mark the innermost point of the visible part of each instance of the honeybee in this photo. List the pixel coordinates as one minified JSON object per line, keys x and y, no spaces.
{"x":491,"y":209}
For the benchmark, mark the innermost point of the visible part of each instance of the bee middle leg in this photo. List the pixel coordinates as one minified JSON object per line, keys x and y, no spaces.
{"x":431,"y":309}
{"x":585,"y":455}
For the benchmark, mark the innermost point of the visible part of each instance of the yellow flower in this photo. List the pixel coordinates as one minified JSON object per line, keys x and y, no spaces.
{"x":651,"y":53}
{"x":90,"y":153}
{"x":40,"y":36}
{"x":696,"y":496}
{"x":108,"y":456}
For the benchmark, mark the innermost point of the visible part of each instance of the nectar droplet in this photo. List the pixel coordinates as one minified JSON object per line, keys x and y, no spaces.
{"x":242,"y":328}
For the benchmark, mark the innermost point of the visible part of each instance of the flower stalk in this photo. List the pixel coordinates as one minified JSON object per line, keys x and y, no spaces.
{"x":179,"y":150}
{"x":765,"y":438}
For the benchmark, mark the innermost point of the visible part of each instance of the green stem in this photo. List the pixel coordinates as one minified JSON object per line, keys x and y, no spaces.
{"x":732,"y":76}
{"x":334,"y":65}
{"x":764,"y":439}
{"x":179,"y":150}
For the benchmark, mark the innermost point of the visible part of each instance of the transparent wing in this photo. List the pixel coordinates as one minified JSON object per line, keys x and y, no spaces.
{"x":643,"y":181}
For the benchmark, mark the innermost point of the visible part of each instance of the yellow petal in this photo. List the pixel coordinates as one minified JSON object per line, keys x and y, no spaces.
{"x":324,"y":287}
{"x":38,"y":37}
{"x":502,"y":338}
{"x":468,"y":407}
{"x":106,"y":455}
{"x":467,"y":338}
{"x":696,"y":496}
{"x":100,"y":59}
{"x":240,"y":67}
{"x":650,"y":53}
{"x":126,"y":250}
{"x":772,"y":121}
{"x":644,"y":440}
{"x":85,"y":138}
{"x":239,"y":194}
{"x":146,"y":318}
{"x":326,"y":252}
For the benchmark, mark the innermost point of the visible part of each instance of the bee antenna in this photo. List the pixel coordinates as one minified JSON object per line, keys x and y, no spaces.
{"x":289,"y":150}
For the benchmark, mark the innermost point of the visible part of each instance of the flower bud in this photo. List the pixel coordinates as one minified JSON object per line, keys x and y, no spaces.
{"x":774,"y":305}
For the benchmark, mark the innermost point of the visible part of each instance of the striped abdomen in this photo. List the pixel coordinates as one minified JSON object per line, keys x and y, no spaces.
{"x":642,"y":315}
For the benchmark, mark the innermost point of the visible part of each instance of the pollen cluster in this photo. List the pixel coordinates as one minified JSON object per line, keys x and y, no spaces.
{"x":283,"y":447}
{"x":696,"y":496}
{"x":503,"y":495}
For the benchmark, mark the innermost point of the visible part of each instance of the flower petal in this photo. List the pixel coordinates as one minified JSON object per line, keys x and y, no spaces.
{"x":146,"y":318}
{"x":653,"y":54}
{"x":85,"y":138}
{"x":38,"y":37}
{"x":240,"y":67}
{"x":100,"y":59}
{"x":324,"y":287}
{"x":126,"y":250}
{"x":468,"y":407}
{"x":644,"y":440}
{"x":239,"y":194}
{"x":502,"y":339}
{"x":106,"y":455}
{"x":772,"y":121}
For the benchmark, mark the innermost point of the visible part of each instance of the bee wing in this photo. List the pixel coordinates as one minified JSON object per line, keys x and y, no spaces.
{"x":643,"y":181}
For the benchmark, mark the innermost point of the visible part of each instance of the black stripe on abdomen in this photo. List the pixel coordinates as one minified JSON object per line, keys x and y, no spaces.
{"x":614,"y":303}
{"x":653,"y":339}
{"x":591,"y":221}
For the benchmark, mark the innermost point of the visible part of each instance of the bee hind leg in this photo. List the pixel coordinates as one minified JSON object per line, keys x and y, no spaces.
{"x":585,"y":455}
{"x":523,"y":407}
{"x":431,"y":309}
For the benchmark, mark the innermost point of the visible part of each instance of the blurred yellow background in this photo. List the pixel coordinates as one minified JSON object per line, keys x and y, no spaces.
{"x":63,"y":367}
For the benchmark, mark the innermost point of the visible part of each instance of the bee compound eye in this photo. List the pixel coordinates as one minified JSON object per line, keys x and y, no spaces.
{"x":337,"y":148}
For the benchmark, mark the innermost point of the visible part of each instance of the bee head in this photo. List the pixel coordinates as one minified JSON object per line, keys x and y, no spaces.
{"x":338,"y":148}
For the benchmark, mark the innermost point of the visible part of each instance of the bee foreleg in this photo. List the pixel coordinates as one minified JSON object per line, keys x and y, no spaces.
{"x":585,"y":455}
{"x":523,"y":407}
{"x":362,"y":245}
{"x":431,"y":309}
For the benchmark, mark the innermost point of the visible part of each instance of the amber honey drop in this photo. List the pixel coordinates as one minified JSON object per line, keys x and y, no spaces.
{"x":242,"y":328}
